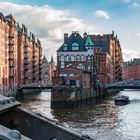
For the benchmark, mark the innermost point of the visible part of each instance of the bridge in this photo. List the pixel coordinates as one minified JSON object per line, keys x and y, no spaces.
{"x":39,"y":85}
{"x":128,"y":84}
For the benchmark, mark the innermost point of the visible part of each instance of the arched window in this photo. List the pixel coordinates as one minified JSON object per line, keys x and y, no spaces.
{"x":82,"y":58}
{"x":62,"y":57}
{"x":78,"y":58}
{"x":89,"y":57}
{"x":68,"y":58}
{"x":72,"y":57}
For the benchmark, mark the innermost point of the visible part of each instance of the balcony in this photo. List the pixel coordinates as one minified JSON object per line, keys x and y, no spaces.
{"x":26,"y":62}
{"x":34,"y":60}
{"x":26,"y":50}
{"x":11,"y":64}
{"x":11,"y":35}
{"x":34,"y":66}
{"x":34,"y":71}
{"x":26,"y":56}
{"x":11,"y":49}
{"x":11,"y":76}
{"x":11,"y":57}
{"x":34,"y":56}
{"x":26,"y":68}
{"x":34,"y":51}
{"x":25,"y":77}
{"x":11,"y":42}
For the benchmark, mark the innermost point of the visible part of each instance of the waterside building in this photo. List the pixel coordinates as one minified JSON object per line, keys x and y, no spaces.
{"x":21,"y":55}
{"x":100,"y":55}
{"x":131,"y":69}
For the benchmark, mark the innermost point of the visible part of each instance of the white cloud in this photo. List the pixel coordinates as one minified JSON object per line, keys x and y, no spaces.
{"x":47,"y":23}
{"x":129,"y":54}
{"x":135,"y":4}
{"x":126,"y":1}
{"x":138,"y":34}
{"x":102,"y":14}
{"x":131,"y":3}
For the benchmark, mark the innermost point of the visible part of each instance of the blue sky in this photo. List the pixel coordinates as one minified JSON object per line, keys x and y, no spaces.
{"x":55,"y":17}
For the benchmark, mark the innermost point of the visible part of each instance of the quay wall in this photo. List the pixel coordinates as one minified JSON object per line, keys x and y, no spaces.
{"x":36,"y":126}
{"x":73,"y":97}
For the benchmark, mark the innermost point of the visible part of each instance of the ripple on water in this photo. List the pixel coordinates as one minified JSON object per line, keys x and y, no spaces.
{"x":104,"y":121}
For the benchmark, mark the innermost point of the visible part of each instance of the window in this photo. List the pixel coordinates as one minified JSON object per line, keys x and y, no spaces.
{"x":62,"y":65}
{"x":88,"y":56}
{"x":65,"y":48}
{"x":63,"y":75}
{"x":72,"y":58}
{"x":68,"y":58}
{"x":72,"y":82}
{"x":77,"y":83}
{"x":82,"y":58}
{"x":62,"y":57}
{"x":78,"y":58}
{"x":71,"y":75}
{"x":75,"y":48}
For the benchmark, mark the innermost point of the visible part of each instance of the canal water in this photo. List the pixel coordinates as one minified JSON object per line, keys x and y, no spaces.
{"x":103,"y":121}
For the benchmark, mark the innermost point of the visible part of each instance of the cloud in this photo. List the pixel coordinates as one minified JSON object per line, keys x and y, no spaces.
{"x":131,"y":3}
{"x":135,"y":4}
{"x":102,"y":14}
{"x":47,"y":23}
{"x":129,"y":54}
{"x":138,"y":34}
{"x":127,"y":1}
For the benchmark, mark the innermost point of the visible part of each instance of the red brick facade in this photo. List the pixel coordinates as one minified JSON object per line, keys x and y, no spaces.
{"x":21,"y":59}
{"x":72,"y":76}
{"x":132,"y":70}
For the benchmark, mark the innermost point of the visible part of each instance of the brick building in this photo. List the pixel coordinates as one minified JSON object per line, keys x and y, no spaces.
{"x":81,"y":53}
{"x":48,"y":69}
{"x":21,"y":59}
{"x":131,"y":69}
{"x":72,"y":77}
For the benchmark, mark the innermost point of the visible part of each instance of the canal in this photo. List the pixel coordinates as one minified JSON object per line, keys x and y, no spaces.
{"x":103,"y":121}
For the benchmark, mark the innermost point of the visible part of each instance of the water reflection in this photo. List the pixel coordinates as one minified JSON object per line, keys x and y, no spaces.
{"x":104,"y":121}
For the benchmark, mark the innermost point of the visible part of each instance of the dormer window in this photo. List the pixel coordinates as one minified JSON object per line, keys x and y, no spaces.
{"x":65,"y":47}
{"x":75,"y":46}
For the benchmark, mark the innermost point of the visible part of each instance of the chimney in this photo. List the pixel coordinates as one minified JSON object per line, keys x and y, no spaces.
{"x":113,"y":32}
{"x":85,"y":35}
{"x":65,"y":37}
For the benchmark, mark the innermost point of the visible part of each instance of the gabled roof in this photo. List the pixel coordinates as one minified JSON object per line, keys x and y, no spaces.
{"x":74,"y":40}
{"x":101,"y":41}
{"x":44,"y":60}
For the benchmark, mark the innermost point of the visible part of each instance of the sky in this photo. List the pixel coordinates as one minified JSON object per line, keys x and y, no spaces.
{"x":48,"y":20}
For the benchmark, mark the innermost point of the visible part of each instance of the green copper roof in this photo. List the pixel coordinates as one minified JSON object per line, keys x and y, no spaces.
{"x":19,"y":28}
{"x":8,"y":19}
{"x":88,"y":41}
{"x":65,"y":45}
{"x":15,"y":25}
{"x":75,"y":44}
